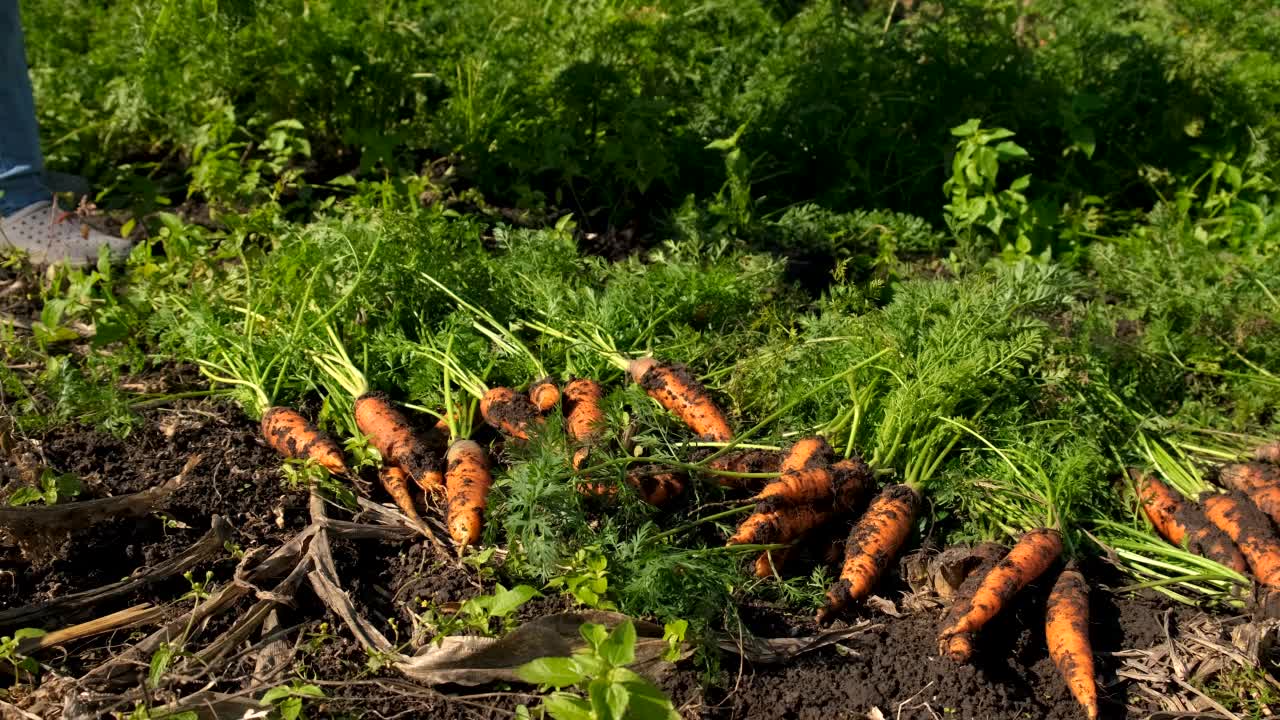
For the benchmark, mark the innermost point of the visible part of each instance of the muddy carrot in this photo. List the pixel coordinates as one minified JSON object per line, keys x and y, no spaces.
{"x":657,"y":484}
{"x":988,"y":554}
{"x":292,"y":435}
{"x":467,"y":482}
{"x":1259,"y":481}
{"x":1269,"y":453}
{"x":396,"y":482}
{"x":389,"y":431}
{"x":1067,"y":630}
{"x":1179,"y":522}
{"x":1249,"y":529}
{"x":873,"y":543}
{"x":544,"y":394}
{"x":769,"y":561}
{"x":509,"y":411}
{"x":584,"y":420}
{"x":746,"y":461}
{"x":1034,"y":553}
{"x":676,"y":390}
{"x":806,"y":475}
{"x":778,"y":525}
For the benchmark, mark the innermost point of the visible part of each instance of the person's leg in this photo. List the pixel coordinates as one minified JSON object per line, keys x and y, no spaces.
{"x":21,"y":165}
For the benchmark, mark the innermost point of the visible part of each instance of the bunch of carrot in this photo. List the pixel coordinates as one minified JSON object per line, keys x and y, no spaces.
{"x":1233,"y":523}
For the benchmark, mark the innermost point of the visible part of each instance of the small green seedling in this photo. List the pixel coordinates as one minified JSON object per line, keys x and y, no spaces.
{"x":286,"y":701}
{"x":54,"y":488}
{"x":612,"y":692}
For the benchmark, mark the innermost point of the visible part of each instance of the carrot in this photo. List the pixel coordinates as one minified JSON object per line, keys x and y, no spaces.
{"x":806,"y":475}
{"x":1066,"y":628}
{"x":1179,"y":522}
{"x":769,"y":561}
{"x":778,"y":525}
{"x":1259,"y":481}
{"x":509,"y":411}
{"x":657,"y":484}
{"x":292,"y":435}
{"x":584,"y":420}
{"x":1249,"y":529}
{"x":1269,"y":453}
{"x":988,"y":554}
{"x":544,"y":394}
{"x":676,"y":390}
{"x":1034,"y":552}
{"x":872,"y":544}
{"x":396,"y":482}
{"x":746,"y":461}
{"x":389,"y":431}
{"x":467,"y":482}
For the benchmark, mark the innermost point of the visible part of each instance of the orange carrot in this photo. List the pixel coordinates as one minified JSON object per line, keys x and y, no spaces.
{"x":584,"y":420}
{"x":509,"y":411}
{"x":1259,"y":481}
{"x":769,"y":561}
{"x":292,"y":435}
{"x":778,"y":525}
{"x":1249,"y":529}
{"x":657,"y":484}
{"x":746,"y":461}
{"x":806,"y":475}
{"x":873,"y":543}
{"x":1179,"y":522}
{"x":544,"y":394}
{"x":1034,"y":553}
{"x":389,"y":431}
{"x":1269,"y":453}
{"x":396,"y":482}
{"x":1067,"y":630}
{"x":987,"y":555}
{"x":467,"y":482}
{"x":676,"y":390}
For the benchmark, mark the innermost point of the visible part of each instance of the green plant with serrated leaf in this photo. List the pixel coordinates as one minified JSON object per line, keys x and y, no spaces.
{"x":978,"y":208}
{"x":54,"y":488}
{"x":479,"y":613}
{"x":587,"y":579}
{"x":607,"y":689}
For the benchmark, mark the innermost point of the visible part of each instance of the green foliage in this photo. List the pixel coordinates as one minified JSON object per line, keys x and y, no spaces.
{"x":9,"y":645}
{"x":286,"y":701}
{"x":54,"y":488}
{"x":586,"y":580}
{"x":612,"y":692}
{"x":476,"y":614}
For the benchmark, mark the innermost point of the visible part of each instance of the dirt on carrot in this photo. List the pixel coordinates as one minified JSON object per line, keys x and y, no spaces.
{"x":467,"y":483}
{"x":510,"y":412}
{"x":873,"y":543}
{"x":657,"y":484}
{"x":1251,"y":531}
{"x":745,"y":461}
{"x":390,"y":432}
{"x":676,"y":389}
{"x":292,"y":435}
{"x":1180,"y":521}
{"x":1260,"y":481}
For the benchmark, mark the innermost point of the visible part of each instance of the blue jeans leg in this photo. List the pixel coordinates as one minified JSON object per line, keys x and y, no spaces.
{"x":21,"y":164}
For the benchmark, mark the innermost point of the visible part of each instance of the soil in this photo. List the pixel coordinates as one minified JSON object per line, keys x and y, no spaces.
{"x":894,"y":666}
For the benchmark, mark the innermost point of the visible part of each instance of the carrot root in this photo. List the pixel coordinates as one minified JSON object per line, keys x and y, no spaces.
{"x":1067,"y":631}
{"x":510,"y":412}
{"x":1259,"y":481}
{"x":396,"y":482}
{"x":467,"y":483}
{"x":544,"y":394}
{"x":293,"y":436}
{"x":390,"y":432}
{"x":1029,"y":558}
{"x":1249,"y":529}
{"x":873,"y":543}
{"x":1181,"y":522}
{"x":677,"y":390}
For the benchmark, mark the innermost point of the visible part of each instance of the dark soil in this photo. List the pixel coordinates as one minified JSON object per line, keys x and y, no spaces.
{"x":894,"y":666}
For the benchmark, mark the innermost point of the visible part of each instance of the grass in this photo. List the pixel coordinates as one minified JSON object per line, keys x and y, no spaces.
{"x":1098,"y":257}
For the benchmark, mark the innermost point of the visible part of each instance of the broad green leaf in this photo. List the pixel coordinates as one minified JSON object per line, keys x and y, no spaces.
{"x":25,"y":496}
{"x":159,"y":664}
{"x":563,"y":706}
{"x":274,"y":695}
{"x":310,"y":691}
{"x":1010,"y":149}
{"x":506,"y":602}
{"x":620,"y":647}
{"x":618,"y":698}
{"x":290,"y":708}
{"x":1020,"y":184}
{"x":28,"y":633}
{"x":966,"y":129}
{"x":598,"y":696}
{"x":590,"y":663}
{"x":554,"y":671}
{"x":594,"y":634}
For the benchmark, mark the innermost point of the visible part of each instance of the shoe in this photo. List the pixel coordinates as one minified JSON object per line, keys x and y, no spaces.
{"x":49,"y":236}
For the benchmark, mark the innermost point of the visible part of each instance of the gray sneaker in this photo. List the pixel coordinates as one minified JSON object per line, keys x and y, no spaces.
{"x":49,"y":236}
